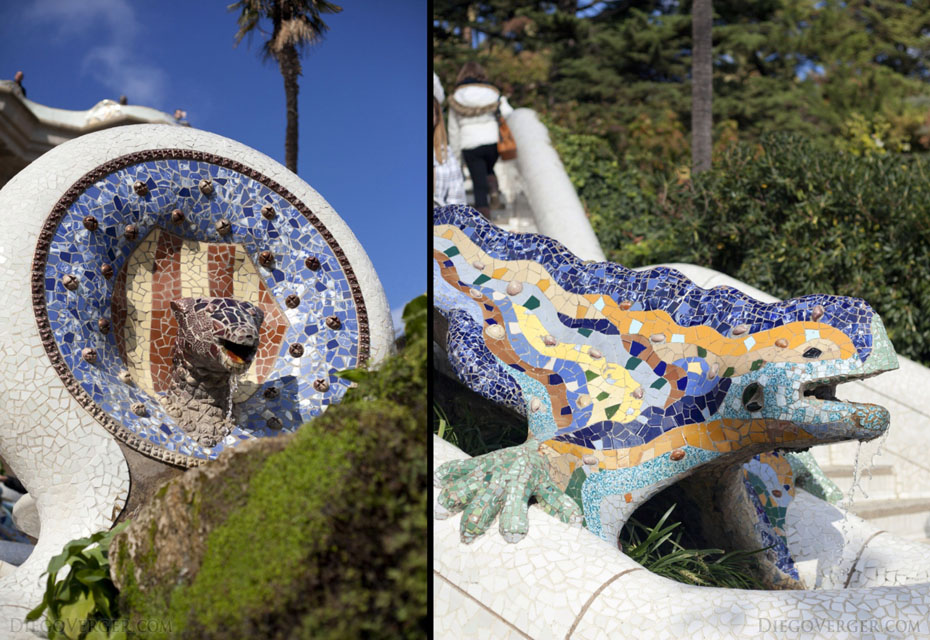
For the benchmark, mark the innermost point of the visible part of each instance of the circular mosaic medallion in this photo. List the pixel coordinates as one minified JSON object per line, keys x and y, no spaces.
{"x":115,"y":252}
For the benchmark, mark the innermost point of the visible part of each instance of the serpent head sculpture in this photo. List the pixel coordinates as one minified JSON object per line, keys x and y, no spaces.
{"x":217,"y":339}
{"x":632,"y":381}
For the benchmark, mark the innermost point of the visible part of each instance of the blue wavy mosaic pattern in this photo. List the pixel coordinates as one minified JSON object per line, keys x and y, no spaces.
{"x":477,"y":367}
{"x":660,"y":288}
{"x":290,"y":236}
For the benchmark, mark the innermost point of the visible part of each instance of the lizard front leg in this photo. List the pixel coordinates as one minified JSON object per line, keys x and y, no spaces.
{"x":501,"y":482}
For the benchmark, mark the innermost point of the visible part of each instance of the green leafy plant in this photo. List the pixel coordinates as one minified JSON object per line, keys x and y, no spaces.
{"x":82,"y":604}
{"x":472,"y":423}
{"x":792,"y":216}
{"x":441,"y":426}
{"x":659,"y":549}
{"x":863,"y":138}
{"x":414,"y":316}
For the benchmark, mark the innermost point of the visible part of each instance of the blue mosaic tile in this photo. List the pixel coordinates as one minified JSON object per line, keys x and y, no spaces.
{"x":73,"y":315}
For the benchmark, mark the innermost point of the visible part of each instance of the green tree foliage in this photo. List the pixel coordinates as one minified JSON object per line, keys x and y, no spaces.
{"x":836,"y":206}
{"x":792,"y":65}
{"x":620,"y":200}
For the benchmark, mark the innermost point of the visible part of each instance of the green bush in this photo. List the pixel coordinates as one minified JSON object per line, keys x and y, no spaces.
{"x":328,"y":536}
{"x":621,"y":200}
{"x":794,"y":217}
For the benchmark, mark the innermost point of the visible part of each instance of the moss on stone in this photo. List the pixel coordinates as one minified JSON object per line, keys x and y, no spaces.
{"x":317,"y":535}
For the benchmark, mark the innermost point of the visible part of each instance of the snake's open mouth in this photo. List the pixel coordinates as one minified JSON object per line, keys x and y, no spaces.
{"x":824,"y":389}
{"x":821,"y":391}
{"x":238,"y":353}
{"x":863,"y":420}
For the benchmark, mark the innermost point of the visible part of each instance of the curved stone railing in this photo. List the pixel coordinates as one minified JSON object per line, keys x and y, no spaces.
{"x":557,"y":211}
{"x":29,"y":129}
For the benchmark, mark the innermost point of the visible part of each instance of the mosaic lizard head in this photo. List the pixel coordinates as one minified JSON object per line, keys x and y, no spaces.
{"x":634,"y":380}
{"x":218,"y":335}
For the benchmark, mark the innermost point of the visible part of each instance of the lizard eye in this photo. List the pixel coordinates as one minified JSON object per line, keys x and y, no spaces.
{"x":753,"y":397}
{"x":813,"y":352}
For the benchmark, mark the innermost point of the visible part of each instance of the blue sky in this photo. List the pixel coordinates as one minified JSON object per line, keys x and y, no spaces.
{"x":362,"y":107}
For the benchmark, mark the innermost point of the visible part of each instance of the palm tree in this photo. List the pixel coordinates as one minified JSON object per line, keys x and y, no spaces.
{"x":702,"y":88}
{"x":295,"y":26}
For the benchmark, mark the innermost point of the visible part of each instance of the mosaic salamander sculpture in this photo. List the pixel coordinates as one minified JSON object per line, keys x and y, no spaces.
{"x":631,"y":381}
{"x":217,"y":339}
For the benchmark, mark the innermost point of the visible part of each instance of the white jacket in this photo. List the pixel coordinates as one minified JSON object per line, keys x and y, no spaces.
{"x":469,"y":132}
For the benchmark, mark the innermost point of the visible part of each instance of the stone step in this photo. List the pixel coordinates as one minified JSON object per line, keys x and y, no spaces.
{"x":906,"y":517}
{"x":517,"y":218}
{"x":881,"y":484}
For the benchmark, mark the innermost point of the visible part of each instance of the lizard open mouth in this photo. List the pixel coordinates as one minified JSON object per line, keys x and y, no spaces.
{"x":238,"y":353}
{"x":864,"y":420}
{"x":821,"y":391}
{"x":824,"y":389}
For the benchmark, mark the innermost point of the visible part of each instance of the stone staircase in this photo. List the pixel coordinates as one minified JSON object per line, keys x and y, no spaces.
{"x":893,"y":497}
{"x":513,"y":212}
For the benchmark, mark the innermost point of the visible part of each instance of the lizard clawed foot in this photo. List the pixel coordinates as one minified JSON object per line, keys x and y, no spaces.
{"x":501,"y":482}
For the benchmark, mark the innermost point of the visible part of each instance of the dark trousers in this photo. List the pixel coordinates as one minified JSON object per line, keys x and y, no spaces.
{"x":480,"y":162}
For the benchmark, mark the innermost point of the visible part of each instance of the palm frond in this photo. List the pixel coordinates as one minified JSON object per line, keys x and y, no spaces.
{"x":250,"y":13}
{"x":296,"y":23}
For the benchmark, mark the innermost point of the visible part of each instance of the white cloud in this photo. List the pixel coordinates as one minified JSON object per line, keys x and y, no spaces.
{"x":71,"y":17}
{"x":113,"y":61}
{"x":113,"y":67}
